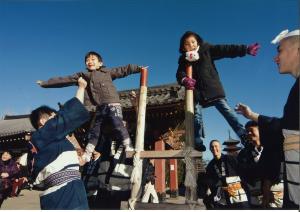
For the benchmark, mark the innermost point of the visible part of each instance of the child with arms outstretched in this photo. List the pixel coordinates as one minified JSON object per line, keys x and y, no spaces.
{"x":100,"y":97}
{"x":208,"y":90}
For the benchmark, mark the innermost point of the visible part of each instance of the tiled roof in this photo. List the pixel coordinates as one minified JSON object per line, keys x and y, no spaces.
{"x":12,"y":125}
{"x":157,"y":95}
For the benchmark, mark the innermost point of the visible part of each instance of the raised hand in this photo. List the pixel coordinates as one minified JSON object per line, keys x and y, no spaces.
{"x":246,"y":111}
{"x":82,"y":83}
{"x":252,"y":49}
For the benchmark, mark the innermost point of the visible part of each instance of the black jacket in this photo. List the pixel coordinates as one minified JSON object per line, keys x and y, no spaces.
{"x":100,"y":89}
{"x":205,"y":73}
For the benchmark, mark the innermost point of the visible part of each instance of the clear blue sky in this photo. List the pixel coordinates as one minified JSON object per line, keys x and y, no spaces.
{"x":40,"y":39}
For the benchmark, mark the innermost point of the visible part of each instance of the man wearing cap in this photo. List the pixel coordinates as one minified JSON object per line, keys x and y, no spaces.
{"x":287,"y":127}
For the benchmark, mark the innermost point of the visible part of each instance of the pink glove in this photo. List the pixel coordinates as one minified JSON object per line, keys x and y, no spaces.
{"x":253,"y":49}
{"x":189,"y":83}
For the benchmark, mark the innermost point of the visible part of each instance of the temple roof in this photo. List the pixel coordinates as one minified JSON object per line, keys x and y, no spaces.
{"x":226,"y":149}
{"x":12,"y":125}
{"x":156,"y":96}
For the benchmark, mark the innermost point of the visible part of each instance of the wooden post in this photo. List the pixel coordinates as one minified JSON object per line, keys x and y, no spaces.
{"x":140,"y":131}
{"x":173,"y":178}
{"x":189,"y":112}
{"x":191,"y":176}
{"x":160,"y":171}
{"x":136,"y":177}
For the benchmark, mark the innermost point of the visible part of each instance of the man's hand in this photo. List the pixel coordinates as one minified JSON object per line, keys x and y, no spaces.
{"x":246,"y":112}
{"x":39,"y":82}
{"x":82,"y":83}
{"x":81,"y":161}
{"x":80,"y":91}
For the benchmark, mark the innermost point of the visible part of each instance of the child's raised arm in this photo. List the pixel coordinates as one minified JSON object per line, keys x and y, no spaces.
{"x":123,"y":71}
{"x":59,"y":82}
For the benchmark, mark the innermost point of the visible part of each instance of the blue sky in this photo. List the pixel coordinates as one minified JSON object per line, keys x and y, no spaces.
{"x":40,"y":39}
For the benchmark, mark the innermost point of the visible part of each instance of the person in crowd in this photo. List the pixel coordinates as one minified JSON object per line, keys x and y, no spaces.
{"x":148,"y":181}
{"x":114,"y":175}
{"x":90,"y":178}
{"x":205,"y":82}
{"x":224,"y":182}
{"x":55,"y":160}
{"x":286,"y":127}
{"x":8,"y":173}
{"x":260,"y":169}
{"x":21,"y":180}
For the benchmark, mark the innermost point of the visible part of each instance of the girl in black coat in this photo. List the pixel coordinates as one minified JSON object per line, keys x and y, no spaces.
{"x":206,"y":82}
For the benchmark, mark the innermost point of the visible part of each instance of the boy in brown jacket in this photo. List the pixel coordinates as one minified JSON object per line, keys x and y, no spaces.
{"x":101,"y":97}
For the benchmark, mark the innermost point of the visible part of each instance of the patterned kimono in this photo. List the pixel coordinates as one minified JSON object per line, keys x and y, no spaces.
{"x":56,"y":164}
{"x":287,"y":128}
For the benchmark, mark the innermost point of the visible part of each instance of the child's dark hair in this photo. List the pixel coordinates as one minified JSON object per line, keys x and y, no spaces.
{"x":93,"y":53}
{"x":185,"y":36}
{"x":38,"y":113}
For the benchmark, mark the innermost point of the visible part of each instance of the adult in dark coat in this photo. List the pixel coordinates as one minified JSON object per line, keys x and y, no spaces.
{"x":8,"y":172}
{"x":114,"y":176}
{"x":224,"y":182}
{"x":260,"y":168}
{"x":287,"y":127}
{"x":90,"y":179}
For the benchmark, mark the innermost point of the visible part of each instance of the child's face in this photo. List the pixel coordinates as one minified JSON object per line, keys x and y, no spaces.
{"x":190,"y":44}
{"x":93,"y":63}
{"x":6,"y":156}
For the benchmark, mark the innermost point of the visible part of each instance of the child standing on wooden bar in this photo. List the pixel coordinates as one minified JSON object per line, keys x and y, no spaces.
{"x":101,"y":97}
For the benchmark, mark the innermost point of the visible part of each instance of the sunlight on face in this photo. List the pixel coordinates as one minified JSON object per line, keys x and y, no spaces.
{"x":93,"y":63}
{"x":253,"y":134}
{"x":190,"y":44}
{"x":287,"y":57}
{"x":45,"y":118}
{"x":215,"y":149}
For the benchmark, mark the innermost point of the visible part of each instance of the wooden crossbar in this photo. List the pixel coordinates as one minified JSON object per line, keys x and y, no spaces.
{"x":165,"y":154}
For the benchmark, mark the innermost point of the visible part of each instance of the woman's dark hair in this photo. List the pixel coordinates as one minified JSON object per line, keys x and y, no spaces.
{"x":185,"y":36}
{"x":38,"y":113}
{"x":93,"y":53}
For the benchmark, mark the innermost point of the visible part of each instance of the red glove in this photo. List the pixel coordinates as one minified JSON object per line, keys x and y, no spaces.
{"x":253,"y":49}
{"x":189,"y":83}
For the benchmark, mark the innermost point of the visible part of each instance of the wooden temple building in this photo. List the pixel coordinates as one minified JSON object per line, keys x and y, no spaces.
{"x":164,"y":130}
